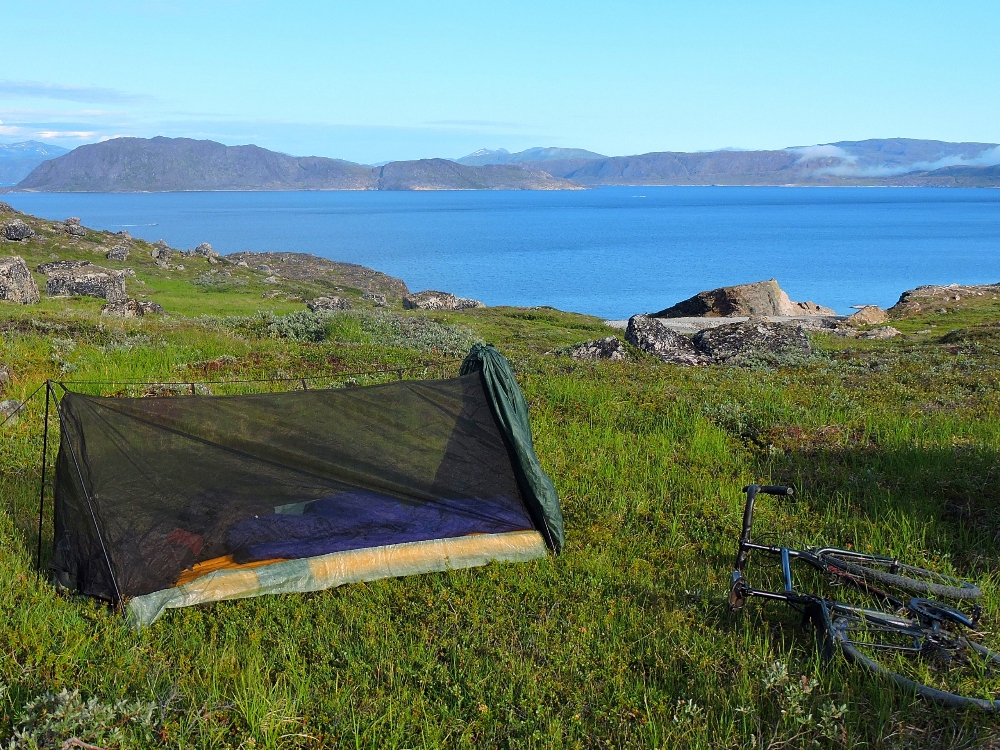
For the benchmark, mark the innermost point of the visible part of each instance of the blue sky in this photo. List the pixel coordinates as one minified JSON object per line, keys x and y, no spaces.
{"x":376,"y":81}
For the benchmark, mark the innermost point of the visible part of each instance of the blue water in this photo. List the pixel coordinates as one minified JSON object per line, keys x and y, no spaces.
{"x":610,"y":252}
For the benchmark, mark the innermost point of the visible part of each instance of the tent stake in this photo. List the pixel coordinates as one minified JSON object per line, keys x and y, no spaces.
{"x":41,"y":491}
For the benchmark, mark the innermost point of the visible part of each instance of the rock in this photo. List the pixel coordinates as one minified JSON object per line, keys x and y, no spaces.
{"x":378,"y":299}
{"x":870,"y":315}
{"x":205,"y":250}
{"x":73,"y":227}
{"x":161,"y":251}
{"x":328,"y":303}
{"x":131,"y":308}
{"x":87,"y":281}
{"x":431,"y":300}
{"x":4,"y":376}
{"x":16,"y":282}
{"x":608,"y":348}
{"x":271,"y":279}
{"x":652,"y":336}
{"x":758,"y":298}
{"x":939,"y":299}
{"x":6,"y":208}
{"x":124,"y":235}
{"x":118,"y":252}
{"x":61,"y":265}
{"x":885,"y":332}
{"x":9,"y":410}
{"x":729,"y":342}
{"x":17,"y":231}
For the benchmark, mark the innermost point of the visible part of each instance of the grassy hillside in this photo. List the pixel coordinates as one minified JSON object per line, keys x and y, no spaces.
{"x":622,"y":641}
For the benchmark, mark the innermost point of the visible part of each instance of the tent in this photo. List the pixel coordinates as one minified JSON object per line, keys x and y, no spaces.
{"x":170,"y":501}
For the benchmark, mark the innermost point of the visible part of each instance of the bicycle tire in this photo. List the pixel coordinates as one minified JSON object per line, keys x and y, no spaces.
{"x":953,"y":589}
{"x":943,"y":697}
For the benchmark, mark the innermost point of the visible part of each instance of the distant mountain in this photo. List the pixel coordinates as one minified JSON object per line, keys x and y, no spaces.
{"x":486,"y":156}
{"x":17,"y":160}
{"x":896,"y":161}
{"x":128,"y":165}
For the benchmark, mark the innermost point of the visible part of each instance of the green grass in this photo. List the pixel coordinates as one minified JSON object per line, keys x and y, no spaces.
{"x":623,"y":640}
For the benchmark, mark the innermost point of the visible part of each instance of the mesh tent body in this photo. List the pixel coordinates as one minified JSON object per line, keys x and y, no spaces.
{"x":166,"y":502}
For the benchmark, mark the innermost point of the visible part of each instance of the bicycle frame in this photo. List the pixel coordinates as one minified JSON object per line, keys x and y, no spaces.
{"x":740,"y":589}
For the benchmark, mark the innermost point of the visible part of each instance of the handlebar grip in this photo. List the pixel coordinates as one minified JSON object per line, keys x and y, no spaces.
{"x":772,"y":489}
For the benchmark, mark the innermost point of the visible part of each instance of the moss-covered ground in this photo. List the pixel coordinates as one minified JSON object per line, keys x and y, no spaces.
{"x":624,"y":640}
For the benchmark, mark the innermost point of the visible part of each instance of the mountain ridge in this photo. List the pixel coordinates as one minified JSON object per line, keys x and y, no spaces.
{"x":17,"y":160}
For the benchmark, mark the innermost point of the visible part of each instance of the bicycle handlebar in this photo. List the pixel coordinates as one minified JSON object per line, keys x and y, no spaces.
{"x":752,"y":491}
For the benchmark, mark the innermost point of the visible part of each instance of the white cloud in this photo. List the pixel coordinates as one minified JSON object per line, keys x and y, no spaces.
{"x":81,"y":134}
{"x":826,"y":151}
{"x":987,"y":158}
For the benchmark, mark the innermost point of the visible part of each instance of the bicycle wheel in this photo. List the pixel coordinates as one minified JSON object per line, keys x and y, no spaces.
{"x":946,"y":667}
{"x":904,"y":577}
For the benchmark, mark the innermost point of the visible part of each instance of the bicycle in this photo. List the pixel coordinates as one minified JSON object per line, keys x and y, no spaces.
{"x":931,"y":641}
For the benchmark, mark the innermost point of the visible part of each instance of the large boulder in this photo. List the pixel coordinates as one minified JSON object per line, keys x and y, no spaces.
{"x":87,"y":281}
{"x":10,"y":410}
{"x":652,"y":336}
{"x":118,"y":252}
{"x":729,"y":343}
{"x":130,"y":308}
{"x":431,"y":300}
{"x":328,"y":303}
{"x":608,"y":348}
{"x":17,"y":231}
{"x":16,"y":282}
{"x":73,"y":227}
{"x":880,"y":333}
{"x":758,"y":298}
{"x":870,"y":315}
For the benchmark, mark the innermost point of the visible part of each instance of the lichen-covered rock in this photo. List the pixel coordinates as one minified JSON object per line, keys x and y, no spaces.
{"x":17,"y":231}
{"x":431,"y":300}
{"x":59,"y":266}
{"x":870,"y":315}
{"x":378,"y":299}
{"x":87,"y":281}
{"x":758,"y":298}
{"x":884,"y":332}
{"x":929,"y":298}
{"x":131,"y":308}
{"x":10,"y":410}
{"x":328,"y":303}
{"x":6,"y":208}
{"x":652,"y":336}
{"x":118,"y":252}
{"x":735,"y":341}
{"x":4,"y":376}
{"x":73,"y":227}
{"x":607,"y":348}
{"x":16,"y":282}
{"x":72,"y":221}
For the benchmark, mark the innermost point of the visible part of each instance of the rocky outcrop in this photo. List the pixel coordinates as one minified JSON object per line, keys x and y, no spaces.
{"x":378,"y":299}
{"x":608,"y":348}
{"x":729,"y":343}
{"x":17,"y":231}
{"x":130,"y":308}
{"x":652,"y":336}
{"x":206,"y":251}
{"x":118,"y":252}
{"x":328,"y":303}
{"x":870,"y":315}
{"x":758,"y":298}
{"x":931,"y":298}
{"x":431,"y":300}
{"x":87,"y":281}
{"x":16,"y":282}
{"x":161,"y":251}
{"x":6,"y":208}
{"x":311,"y":268}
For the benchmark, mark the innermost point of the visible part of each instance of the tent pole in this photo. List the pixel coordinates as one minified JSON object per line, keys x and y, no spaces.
{"x":41,"y":490}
